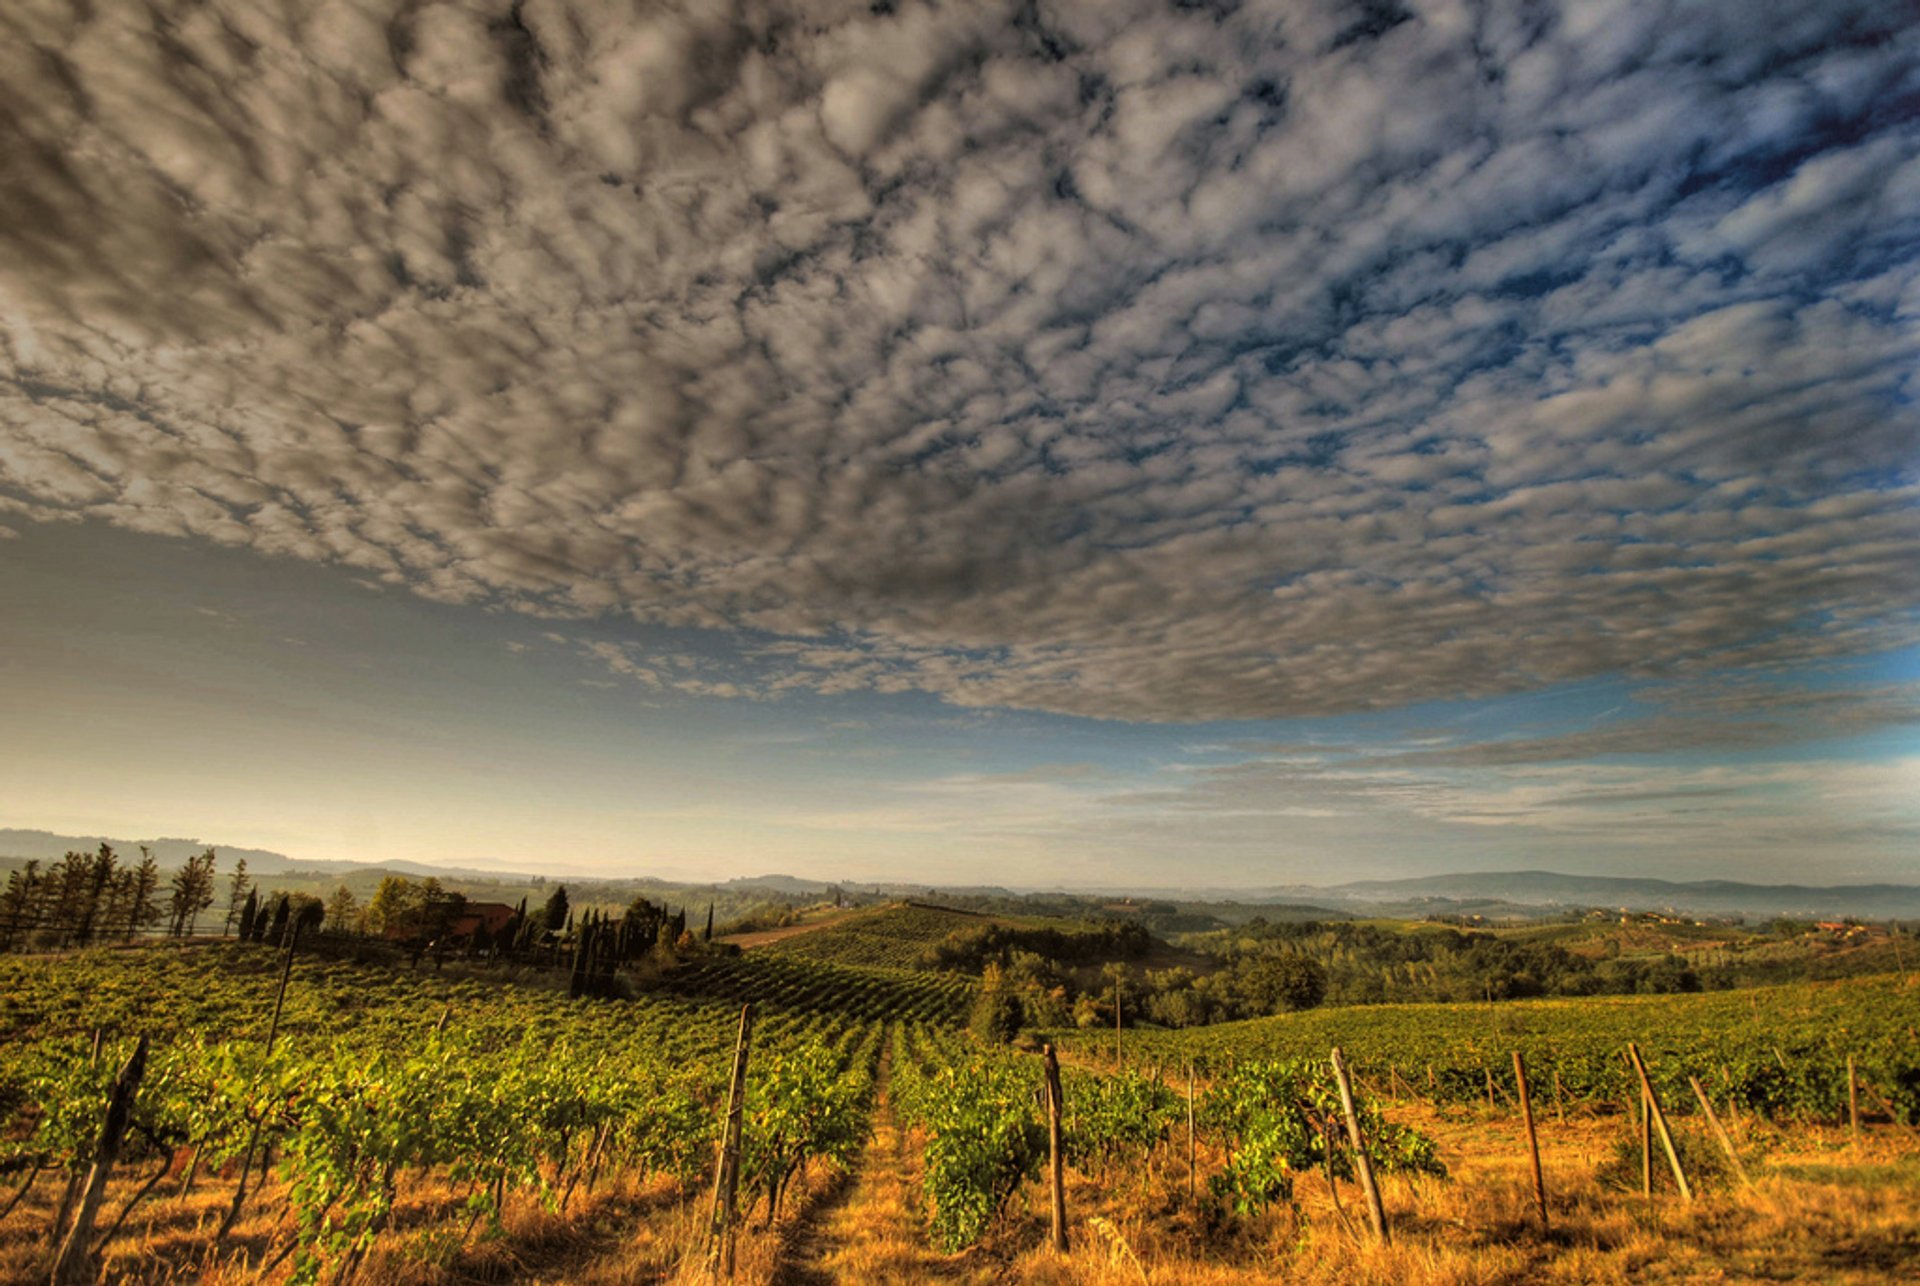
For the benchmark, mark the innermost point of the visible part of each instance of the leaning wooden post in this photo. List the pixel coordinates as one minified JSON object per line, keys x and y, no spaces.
{"x":286,"y":972}
{"x":1493,"y":1104}
{"x":1853,"y":1102}
{"x":1533,"y":1141}
{"x":1646,"y":1148}
{"x":1726,"y":1143}
{"x":1887,"y":1105}
{"x":1660,"y":1122}
{"x":73,"y":1264}
{"x":1056,"y":1176}
{"x":726,"y":1177}
{"x":1643,"y":1120}
{"x":1375,"y":1211}
{"x":1189,"y":1129}
{"x":253,"y":1133}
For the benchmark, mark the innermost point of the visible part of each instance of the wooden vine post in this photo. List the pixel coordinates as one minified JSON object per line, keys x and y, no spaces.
{"x":74,"y":1263}
{"x":1376,"y":1212}
{"x":1533,"y":1140}
{"x":1853,"y":1102}
{"x":1190,"y":1153}
{"x":1660,"y":1122}
{"x":253,"y":1132}
{"x":1056,"y":1174}
{"x":726,"y":1177}
{"x":1726,"y":1143}
{"x":1643,"y":1122}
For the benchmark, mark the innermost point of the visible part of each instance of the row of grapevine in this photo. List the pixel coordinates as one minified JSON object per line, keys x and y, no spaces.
{"x":496,"y":1107}
{"x":980,"y":1111}
{"x":873,"y":994}
{"x":1792,"y":1064}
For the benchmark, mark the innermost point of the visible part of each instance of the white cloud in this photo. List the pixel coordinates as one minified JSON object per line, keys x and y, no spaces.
{"x":1156,"y":364}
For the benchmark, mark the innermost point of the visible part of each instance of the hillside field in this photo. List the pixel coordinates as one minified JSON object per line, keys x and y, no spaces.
{"x":472,"y":1124}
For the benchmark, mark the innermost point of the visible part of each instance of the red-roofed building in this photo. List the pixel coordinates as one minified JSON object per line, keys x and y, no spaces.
{"x":494,"y":915}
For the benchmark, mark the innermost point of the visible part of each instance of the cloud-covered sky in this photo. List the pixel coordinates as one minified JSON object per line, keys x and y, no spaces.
{"x":1222,"y":366}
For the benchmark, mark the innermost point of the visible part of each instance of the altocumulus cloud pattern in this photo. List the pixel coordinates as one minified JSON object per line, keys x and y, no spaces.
{"x":1135,"y":361}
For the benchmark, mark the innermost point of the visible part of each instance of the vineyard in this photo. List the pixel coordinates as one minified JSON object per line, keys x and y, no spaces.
{"x":1780,"y":1052}
{"x":424,"y":1126}
{"x":866,"y":993}
{"x":892,"y":937}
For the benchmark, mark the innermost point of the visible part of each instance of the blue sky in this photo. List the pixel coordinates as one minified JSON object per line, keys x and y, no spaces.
{"x":1087,"y":444}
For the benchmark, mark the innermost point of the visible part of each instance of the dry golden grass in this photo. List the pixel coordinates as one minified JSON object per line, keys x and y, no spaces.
{"x":1822,"y":1210}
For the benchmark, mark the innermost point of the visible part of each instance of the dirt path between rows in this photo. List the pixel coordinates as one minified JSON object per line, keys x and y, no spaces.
{"x":868,"y":1229}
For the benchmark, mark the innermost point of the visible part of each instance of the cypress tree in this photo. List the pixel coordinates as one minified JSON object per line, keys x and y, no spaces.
{"x":707,"y":935}
{"x":249,"y":911}
{"x":277,"y":930}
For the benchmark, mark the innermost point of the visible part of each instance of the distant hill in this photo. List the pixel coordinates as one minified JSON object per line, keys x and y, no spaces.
{"x":1705,"y":897}
{"x":1493,"y":894}
{"x":170,"y":852}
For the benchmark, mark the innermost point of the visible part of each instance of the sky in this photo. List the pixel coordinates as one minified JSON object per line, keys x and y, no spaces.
{"x":1083,"y":445}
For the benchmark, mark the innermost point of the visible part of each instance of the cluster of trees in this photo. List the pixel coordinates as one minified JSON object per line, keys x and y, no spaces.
{"x":1255,"y":985}
{"x":1029,"y":989}
{"x":971,"y":950}
{"x":593,"y":943}
{"x":289,"y":913}
{"x":96,"y":897}
{"x":1370,"y":964}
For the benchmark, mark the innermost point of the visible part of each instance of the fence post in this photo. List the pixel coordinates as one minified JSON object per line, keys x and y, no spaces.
{"x":1375,"y":1211}
{"x":73,"y":1264}
{"x":1853,"y":1102}
{"x":726,"y":1178}
{"x":1190,"y":1151}
{"x":1660,"y":1122}
{"x":1533,"y":1141}
{"x":1726,"y":1144}
{"x":1056,"y":1177}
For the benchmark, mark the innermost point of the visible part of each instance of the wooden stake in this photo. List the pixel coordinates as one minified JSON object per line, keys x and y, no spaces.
{"x":1726,"y":1143}
{"x":74,"y":1263}
{"x":286,"y":971}
{"x":1646,"y":1148}
{"x":726,"y":1178}
{"x":1493,"y":1104}
{"x":1533,"y":1140}
{"x":1375,"y":1211}
{"x":1056,"y":1172}
{"x":253,"y":1133}
{"x":1559,"y":1107}
{"x":1891,"y":1114}
{"x":1660,"y":1123}
{"x":1853,"y":1102}
{"x":1190,"y":1129}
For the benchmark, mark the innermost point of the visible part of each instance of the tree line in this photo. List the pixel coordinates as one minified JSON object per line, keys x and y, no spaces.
{"x":97,"y":897}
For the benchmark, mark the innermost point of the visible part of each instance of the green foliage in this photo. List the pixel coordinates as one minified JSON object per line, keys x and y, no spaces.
{"x":522,"y":1092}
{"x":1115,"y":1120}
{"x":1283,"y":1117}
{"x":997,"y":1013}
{"x":983,"y":1138}
{"x":1778,"y":1051}
{"x":1281,"y":983}
{"x":893,"y":937}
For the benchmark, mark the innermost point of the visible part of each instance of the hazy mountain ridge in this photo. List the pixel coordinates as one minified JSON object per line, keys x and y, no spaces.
{"x":1494,"y":894}
{"x":172,"y":851}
